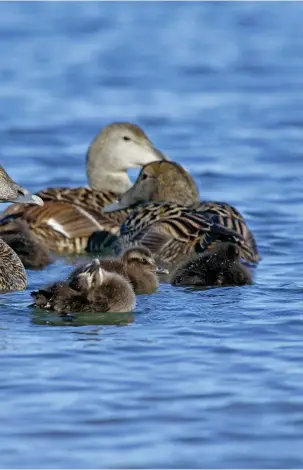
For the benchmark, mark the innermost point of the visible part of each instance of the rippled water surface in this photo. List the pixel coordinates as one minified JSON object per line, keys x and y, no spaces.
{"x":193,"y":378}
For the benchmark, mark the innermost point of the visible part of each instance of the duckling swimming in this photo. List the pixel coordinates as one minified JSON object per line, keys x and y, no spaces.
{"x":93,"y":289}
{"x":69,"y":215}
{"x":137,"y":265}
{"x":220,"y":267}
{"x":182,"y":225}
{"x":12,"y":272}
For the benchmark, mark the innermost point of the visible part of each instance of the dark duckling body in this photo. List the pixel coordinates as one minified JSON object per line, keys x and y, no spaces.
{"x":137,"y":265}
{"x":220,"y":267}
{"x":91,"y":290}
{"x":32,"y":252}
{"x":12,"y":272}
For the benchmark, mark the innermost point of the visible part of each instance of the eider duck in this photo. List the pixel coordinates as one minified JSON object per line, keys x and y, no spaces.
{"x":12,"y":272}
{"x":137,"y":265}
{"x":70,"y":215}
{"x":168,"y":218}
{"x":93,"y":289}
{"x":219,"y":267}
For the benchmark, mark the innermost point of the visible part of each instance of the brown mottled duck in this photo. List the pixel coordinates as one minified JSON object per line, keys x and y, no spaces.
{"x":12,"y":272}
{"x":168,"y":217}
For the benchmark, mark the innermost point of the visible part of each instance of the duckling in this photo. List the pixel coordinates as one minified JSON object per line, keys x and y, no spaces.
{"x":32,"y":252}
{"x":173,"y":230}
{"x":93,"y":289}
{"x":137,"y":265}
{"x":12,"y":272}
{"x":141,"y":269}
{"x":70,"y":215}
{"x":220,"y":267}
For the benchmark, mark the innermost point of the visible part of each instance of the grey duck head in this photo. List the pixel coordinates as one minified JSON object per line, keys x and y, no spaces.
{"x":13,"y":192}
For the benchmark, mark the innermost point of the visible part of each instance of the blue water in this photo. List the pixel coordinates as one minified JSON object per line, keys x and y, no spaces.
{"x":191,"y":379}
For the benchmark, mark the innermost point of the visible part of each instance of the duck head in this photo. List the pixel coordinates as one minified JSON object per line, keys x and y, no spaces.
{"x":159,"y":182}
{"x":13,"y":192}
{"x":91,"y":277}
{"x":142,"y":258}
{"x":117,"y":148}
{"x":227,"y":251}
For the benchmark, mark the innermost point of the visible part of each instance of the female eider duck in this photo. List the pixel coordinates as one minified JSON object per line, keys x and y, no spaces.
{"x":219,"y":267}
{"x":137,"y":265}
{"x":168,"y":218}
{"x":93,"y":289}
{"x":69,"y":215}
{"x":12,"y":272}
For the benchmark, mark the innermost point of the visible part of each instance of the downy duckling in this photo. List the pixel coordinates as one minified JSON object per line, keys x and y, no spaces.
{"x":137,"y":265}
{"x":70,"y":215}
{"x":92,"y":290}
{"x":220,"y":267}
{"x":32,"y":252}
{"x":168,"y":217}
{"x":12,"y":272}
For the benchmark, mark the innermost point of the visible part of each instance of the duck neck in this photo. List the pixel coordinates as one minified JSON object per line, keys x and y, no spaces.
{"x":12,"y":272}
{"x":107,"y":179}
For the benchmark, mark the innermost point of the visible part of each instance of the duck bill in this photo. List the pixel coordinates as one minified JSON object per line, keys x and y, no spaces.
{"x":28,"y":198}
{"x":115,"y":206}
{"x":161,"y":270}
{"x":160,"y":155}
{"x":130,"y":198}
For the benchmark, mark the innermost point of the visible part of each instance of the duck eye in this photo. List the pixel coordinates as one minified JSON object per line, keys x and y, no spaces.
{"x":144,"y":176}
{"x":126,"y":138}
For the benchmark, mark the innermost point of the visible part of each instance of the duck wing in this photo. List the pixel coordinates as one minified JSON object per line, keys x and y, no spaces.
{"x":68,"y":217}
{"x":82,"y":196}
{"x":228,"y":216}
{"x":65,"y":227}
{"x":171,"y":231}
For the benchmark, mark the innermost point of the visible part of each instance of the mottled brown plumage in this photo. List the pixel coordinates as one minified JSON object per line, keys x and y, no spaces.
{"x":173,"y":230}
{"x":70,"y":215}
{"x":90,"y":290}
{"x":220,"y":267}
{"x":12,"y":272}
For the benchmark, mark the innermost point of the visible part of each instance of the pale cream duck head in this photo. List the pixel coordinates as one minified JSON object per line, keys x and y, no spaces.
{"x":117,"y":148}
